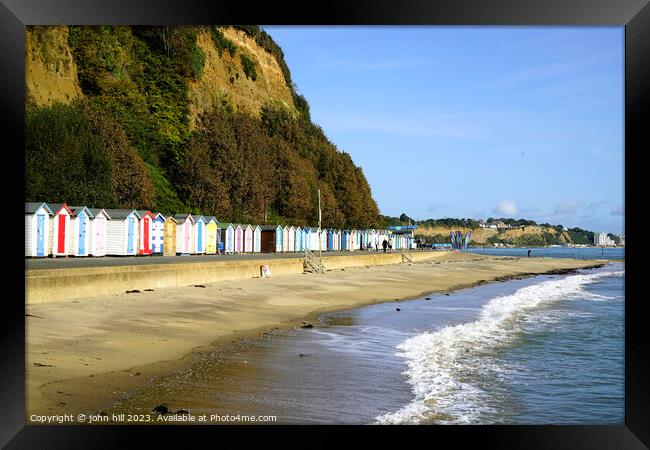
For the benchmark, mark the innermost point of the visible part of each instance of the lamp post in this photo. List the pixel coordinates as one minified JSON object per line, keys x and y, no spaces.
{"x":320,"y":240}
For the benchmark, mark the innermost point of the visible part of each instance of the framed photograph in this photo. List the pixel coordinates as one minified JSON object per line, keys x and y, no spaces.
{"x":383,"y":215}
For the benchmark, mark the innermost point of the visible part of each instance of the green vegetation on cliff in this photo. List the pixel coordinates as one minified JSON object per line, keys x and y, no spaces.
{"x":129,"y":144}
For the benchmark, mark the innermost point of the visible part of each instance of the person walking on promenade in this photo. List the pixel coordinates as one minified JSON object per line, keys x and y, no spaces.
{"x":390,"y":245}
{"x":384,"y":244}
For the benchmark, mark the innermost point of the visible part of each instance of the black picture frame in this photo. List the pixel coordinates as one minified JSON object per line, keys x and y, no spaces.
{"x":633,"y":14}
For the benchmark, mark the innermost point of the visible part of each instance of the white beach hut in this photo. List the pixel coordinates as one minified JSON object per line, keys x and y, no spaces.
{"x":81,"y":234}
{"x":98,"y":231}
{"x":37,"y":225}
{"x":248,"y":238}
{"x":228,"y":237}
{"x":285,"y":238}
{"x":257,"y":239}
{"x":122,"y":232}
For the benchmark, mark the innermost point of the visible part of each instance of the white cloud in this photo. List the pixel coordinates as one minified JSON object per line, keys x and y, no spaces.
{"x":506,"y":208}
{"x":619,"y":211}
{"x":566,"y":207}
{"x":435,"y":207}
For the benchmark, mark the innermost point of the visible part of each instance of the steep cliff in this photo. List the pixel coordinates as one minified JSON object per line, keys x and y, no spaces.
{"x":210,"y":112}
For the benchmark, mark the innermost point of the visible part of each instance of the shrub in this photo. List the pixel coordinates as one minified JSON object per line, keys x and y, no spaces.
{"x":221,"y":42}
{"x":197,"y":62}
{"x":249,"y":67}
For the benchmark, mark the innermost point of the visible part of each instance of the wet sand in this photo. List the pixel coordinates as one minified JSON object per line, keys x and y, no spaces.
{"x":86,"y":355}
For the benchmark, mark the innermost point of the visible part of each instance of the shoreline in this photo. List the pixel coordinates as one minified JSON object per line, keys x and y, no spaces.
{"x":74,"y":388}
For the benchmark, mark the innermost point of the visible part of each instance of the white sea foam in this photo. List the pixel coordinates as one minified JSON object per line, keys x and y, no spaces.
{"x":441,"y":363}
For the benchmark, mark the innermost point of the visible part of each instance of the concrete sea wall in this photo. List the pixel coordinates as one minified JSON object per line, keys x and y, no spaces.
{"x":47,"y":285}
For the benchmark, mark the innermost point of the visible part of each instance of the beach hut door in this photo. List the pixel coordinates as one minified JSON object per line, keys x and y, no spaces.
{"x":99,"y":236}
{"x":186,"y":232}
{"x":82,"y":233}
{"x":200,"y":237}
{"x":129,"y":241}
{"x":40,"y":235}
{"x":146,"y":245}
{"x":61,"y":234}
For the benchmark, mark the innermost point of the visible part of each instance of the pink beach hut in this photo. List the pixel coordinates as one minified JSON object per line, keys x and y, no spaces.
{"x":184,"y":234}
{"x":239,"y":239}
{"x":248,"y":239}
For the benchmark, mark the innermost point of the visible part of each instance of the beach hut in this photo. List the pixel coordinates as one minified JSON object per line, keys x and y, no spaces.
{"x":184,"y":234}
{"x":297,"y":243}
{"x":323,"y":239}
{"x":257,"y":239}
{"x":98,"y":231}
{"x":291,"y":239}
{"x":59,"y":232}
{"x":306,"y":238}
{"x":248,"y":238}
{"x":37,"y":225}
{"x":158,"y":234}
{"x":345,"y":240}
{"x":199,"y":235}
{"x":337,"y":236}
{"x":354,"y":244}
{"x":227,"y":236}
{"x":169,"y":240}
{"x":279,"y":238}
{"x":239,"y":238}
{"x":211,"y":234}
{"x":304,"y":245}
{"x":285,"y":239}
{"x":303,"y":238}
{"x":313,"y":238}
{"x":80,"y":234}
{"x":330,"y":240}
{"x":122,"y":232}
{"x":145,"y":226}
{"x":270,"y":238}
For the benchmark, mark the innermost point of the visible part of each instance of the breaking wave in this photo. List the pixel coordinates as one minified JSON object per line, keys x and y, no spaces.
{"x":447,"y":368}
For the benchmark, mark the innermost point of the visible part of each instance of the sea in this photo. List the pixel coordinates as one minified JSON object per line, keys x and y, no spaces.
{"x":617,"y":253}
{"x":548,"y":349}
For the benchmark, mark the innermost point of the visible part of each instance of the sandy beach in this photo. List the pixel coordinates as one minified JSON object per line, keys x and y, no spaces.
{"x":84,"y":355}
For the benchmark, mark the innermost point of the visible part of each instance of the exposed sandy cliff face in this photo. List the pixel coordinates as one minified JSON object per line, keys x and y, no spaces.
{"x":50,"y":69}
{"x":51,"y":73}
{"x":224,"y":78}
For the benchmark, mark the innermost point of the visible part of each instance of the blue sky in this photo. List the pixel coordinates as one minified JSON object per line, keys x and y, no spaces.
{"x":473,"y":121}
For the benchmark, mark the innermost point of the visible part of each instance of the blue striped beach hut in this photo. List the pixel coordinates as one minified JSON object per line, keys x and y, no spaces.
{"x":257,"y":239}
{"x":345,"y":240}
{"x":200,"y":240}
{"x":37,"y":229}
{"x":81,"y":234}
{"x":228,"y":237}
{"x":122,"y":232}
